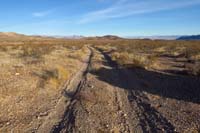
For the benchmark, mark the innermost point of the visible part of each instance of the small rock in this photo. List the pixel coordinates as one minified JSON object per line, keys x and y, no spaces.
{"x":17,"y":74}
{"x":8,"y":123}
{"x":91,"y":86}
{"x":158,"y":106}
{"x":125,"y":115}
{"x":43,"y":114}
{"x":119,"y":112}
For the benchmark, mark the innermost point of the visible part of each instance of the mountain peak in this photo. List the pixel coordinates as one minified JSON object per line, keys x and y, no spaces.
{"x":193,"y":37}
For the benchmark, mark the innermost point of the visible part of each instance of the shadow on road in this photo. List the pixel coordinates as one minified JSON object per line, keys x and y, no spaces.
{"x":170,"y":86}
{"x":177,"y":87}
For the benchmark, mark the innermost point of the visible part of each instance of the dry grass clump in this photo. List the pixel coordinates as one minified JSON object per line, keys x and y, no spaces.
{"x":35,"y":51}
{"x":128,"y":60}
{"x":3,"y":49}
{"x":55,"y":77}
{"x":147,"y":53}
{"x":96,"y":63}
{"x":31,"y":80}
{"x":47,"y":75}
{"x":62,"y":74}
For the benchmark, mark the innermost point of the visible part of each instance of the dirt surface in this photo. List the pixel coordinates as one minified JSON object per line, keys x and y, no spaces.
{"x":114,"y":99}
{"x":32,"y":79}
{"x":98,"y":85}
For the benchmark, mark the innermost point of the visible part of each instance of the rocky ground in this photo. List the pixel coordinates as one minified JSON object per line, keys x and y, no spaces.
{"x":32,"y":79}
{"x":110,"y":98}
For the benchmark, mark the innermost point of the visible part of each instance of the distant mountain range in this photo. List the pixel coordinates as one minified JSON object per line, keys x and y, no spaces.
{"x":154,"y":37}
{"x":106,"y":37}
{"x":65,"y":37}
{"x":12,"y":35}
{"x":175,"y":37}
{"x":193,"y":37}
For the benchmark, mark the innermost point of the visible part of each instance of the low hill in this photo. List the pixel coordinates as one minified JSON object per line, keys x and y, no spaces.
{"x":193,"y":37}
{"x":112,"y":37}
{"x":15,"y":37}
{"x":106,"y":37}
{"x":10,"y":34}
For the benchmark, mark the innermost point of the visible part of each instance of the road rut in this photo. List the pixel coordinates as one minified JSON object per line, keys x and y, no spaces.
{"x":108,"y":99}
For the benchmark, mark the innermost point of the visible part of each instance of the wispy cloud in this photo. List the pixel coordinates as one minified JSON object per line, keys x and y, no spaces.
{"x":123,"y":8}
{"x":43,"y":13}
{"x":39,"y":25}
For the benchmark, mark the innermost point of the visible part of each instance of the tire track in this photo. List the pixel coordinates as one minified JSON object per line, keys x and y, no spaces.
{"x":67,"y":124}
{"x":106,"y":104}
{"x":136,"y":113}
{"x":150,"y":120}
{"x":119,"y":95}
{"x":63,"y":115}
{"x":68,"y":121}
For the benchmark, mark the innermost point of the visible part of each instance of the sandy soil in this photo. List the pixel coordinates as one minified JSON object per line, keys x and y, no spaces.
{"x":115,"y":99}
{"x":31,"y":86}
{"x":104,"y":97}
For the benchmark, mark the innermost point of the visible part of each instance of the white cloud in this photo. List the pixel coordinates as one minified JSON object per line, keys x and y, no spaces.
{"x":123,"y":8}
{"x":43,"y":13}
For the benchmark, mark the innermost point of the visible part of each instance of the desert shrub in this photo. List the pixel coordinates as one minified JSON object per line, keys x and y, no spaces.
{"x":35,"y":50}
{"x":30,"y":52}
{"x":3,"y":48}
{"x":128,"y":60}
{"x":143,"y":53}
{"x":54,"y":82}
{"x":45,"y":75}
{"x":34,"y":53}
{"x":63,"y":73}
{"x":53,"y":76}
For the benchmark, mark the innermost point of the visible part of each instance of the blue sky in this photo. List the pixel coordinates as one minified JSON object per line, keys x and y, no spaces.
{"x":101,"y":17}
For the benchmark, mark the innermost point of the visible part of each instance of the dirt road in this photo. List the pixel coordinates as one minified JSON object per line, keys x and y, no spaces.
{"x":109,"y":98}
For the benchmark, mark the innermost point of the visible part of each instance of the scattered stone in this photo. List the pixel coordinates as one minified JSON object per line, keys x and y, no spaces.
{"x":158,"y":106}
{"x":17,"y":74}
{"x":120,"y":112}
{"x":43,"y":114}
{"x":91,"y":86}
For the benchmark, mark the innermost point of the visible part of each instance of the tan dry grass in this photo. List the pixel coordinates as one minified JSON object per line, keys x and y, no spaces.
{"x":31,"y":79}
{"x":146,"y":53}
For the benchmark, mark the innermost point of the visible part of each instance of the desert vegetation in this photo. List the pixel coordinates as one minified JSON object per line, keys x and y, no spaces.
{"x":31,"y":78}
{"x":148,"y":54}
{"x":35,"y":69}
